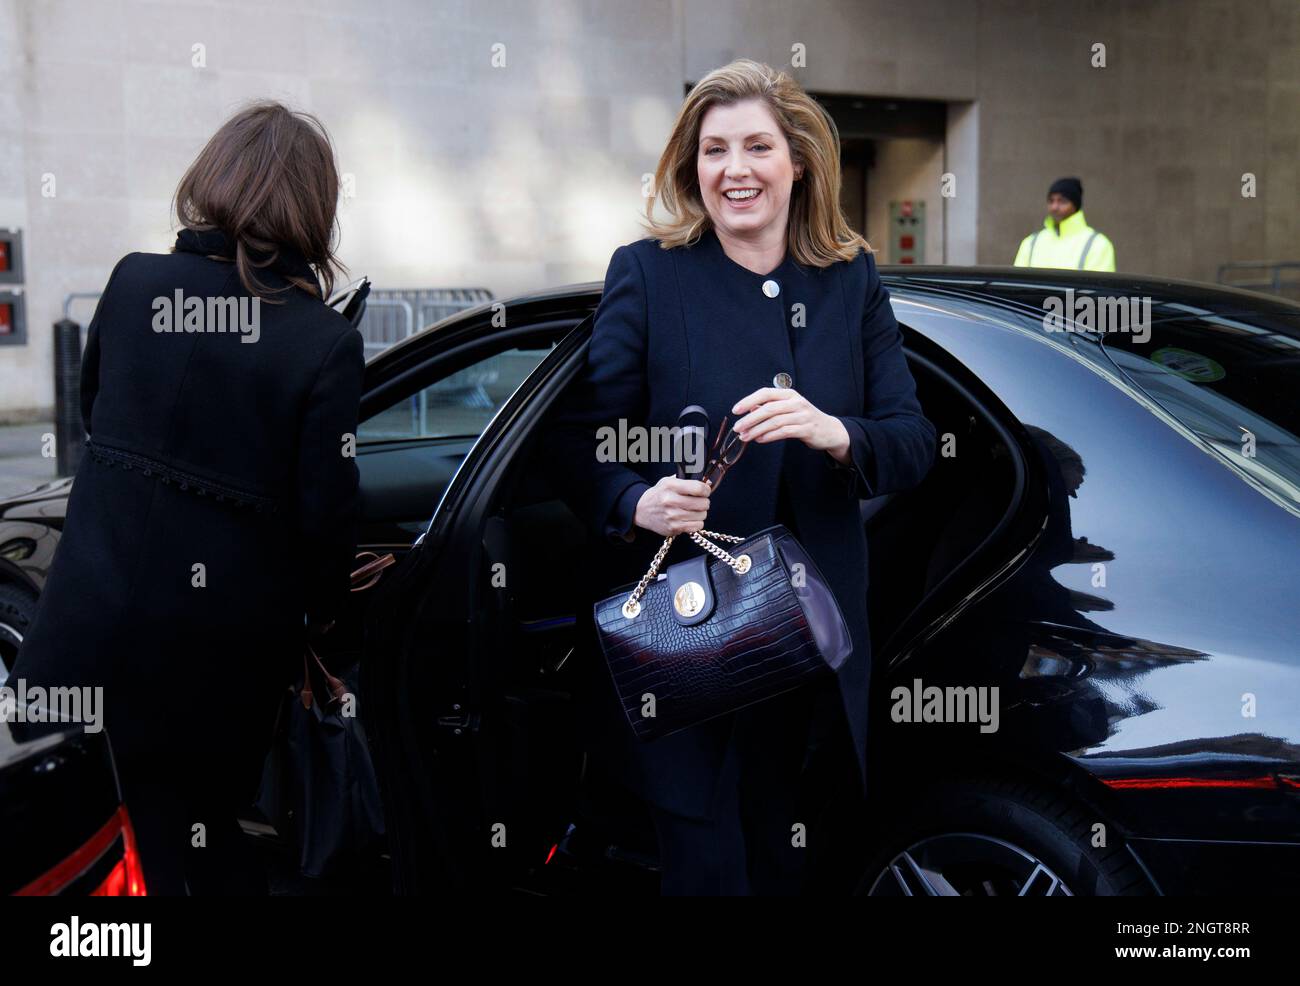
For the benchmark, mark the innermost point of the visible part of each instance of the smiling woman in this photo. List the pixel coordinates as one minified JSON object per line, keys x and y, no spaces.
{"x":752,"y":298}
{"x":750,"y":146}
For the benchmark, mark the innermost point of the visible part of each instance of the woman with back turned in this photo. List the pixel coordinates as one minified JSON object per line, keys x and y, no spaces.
{"x":212,"y":520}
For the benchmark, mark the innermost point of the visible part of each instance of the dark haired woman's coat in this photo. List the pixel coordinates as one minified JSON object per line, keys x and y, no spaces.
{"x":216,"y":504}
{"x":691,"y":326}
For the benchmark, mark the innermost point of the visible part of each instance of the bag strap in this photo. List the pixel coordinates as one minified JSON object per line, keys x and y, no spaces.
{"x":362,"y":578}
{"x":335,"y":685}
{"x":740,"y":565}
{"x":371,"y":570}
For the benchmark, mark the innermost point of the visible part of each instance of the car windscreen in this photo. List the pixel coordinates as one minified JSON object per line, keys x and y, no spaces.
{"x":1232,"y":376}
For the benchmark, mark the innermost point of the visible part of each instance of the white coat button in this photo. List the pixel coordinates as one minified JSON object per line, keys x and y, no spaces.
{"x":771,"y":288}
{"x":782,"y":380}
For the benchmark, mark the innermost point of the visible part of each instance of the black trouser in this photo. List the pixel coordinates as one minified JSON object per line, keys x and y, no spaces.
{"x":748,"y":843}
{"x":166,"y":802}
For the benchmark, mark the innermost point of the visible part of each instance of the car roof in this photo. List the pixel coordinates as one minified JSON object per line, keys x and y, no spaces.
{"x":1018,"y":285}
{"x":1014,"y":287}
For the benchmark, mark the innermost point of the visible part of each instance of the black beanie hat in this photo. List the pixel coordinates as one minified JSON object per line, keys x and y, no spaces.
{"x":1071,"y":188}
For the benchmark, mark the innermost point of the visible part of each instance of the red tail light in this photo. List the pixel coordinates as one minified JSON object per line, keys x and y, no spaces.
{"x":125,"y":879}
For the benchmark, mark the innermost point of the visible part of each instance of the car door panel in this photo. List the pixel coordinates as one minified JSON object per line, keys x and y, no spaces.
{"x":401,"y":483}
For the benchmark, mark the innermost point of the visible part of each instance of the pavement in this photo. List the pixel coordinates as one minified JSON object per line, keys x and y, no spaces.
{"x":22,"y":467}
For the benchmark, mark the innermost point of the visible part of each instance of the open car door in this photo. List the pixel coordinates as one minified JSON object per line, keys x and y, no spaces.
{"x":427,"y":400}
{"x":435,"y":716}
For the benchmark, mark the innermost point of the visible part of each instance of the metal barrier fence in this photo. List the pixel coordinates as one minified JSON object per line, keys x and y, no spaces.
{"x":393,"y":314}
{"x":1275,"y":277}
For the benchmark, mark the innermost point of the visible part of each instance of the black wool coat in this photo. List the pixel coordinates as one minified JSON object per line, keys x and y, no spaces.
{"x":689,"y":325}
{"x":205,"y":449}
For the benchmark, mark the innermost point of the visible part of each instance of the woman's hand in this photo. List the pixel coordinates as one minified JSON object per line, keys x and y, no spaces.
{"x":673,"y":506}
{"x":772,"y":414}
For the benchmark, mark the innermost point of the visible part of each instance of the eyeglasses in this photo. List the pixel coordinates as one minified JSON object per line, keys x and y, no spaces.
{"x":725,"y":453}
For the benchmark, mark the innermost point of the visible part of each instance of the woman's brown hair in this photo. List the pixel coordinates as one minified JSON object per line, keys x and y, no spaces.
{"x":268,"y":181}
{"x":818,"y":233}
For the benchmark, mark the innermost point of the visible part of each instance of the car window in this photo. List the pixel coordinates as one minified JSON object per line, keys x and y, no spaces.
{"x":1232,"y":378}
{"x":1228,"y":371}
{"x":458,"y":406}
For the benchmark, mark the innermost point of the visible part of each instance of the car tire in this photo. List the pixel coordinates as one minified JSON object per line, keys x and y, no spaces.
{"x":997,"y":836}
{"x":17,"y":607}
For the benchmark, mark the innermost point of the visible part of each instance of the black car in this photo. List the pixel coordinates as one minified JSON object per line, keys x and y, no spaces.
{"x":62,"y":820}
{"x":1084,"y":620}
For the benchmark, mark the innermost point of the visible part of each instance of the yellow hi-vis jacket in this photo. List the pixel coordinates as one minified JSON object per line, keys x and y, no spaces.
{"x":1077,"y":246}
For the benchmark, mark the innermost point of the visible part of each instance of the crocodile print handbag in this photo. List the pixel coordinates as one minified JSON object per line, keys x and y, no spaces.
{"x":721,"y":631}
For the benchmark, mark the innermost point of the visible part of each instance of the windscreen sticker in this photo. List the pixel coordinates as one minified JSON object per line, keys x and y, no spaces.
{"x":1188,"y":365}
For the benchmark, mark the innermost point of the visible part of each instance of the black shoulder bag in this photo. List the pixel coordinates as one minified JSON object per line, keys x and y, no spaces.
{"x":721,"y":631}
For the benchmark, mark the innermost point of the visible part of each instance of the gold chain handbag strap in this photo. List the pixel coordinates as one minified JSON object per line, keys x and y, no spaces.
{"x":739,"y":565}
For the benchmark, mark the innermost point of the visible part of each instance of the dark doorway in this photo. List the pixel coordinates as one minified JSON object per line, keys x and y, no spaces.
{"x":884,"y":157}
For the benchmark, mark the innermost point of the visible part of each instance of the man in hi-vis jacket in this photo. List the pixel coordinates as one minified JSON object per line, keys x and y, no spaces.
{"x":1066,"y":239}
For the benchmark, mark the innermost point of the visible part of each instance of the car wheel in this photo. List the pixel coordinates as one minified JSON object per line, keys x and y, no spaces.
{"x":998,"y":837}
{"x":17,"y":607}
